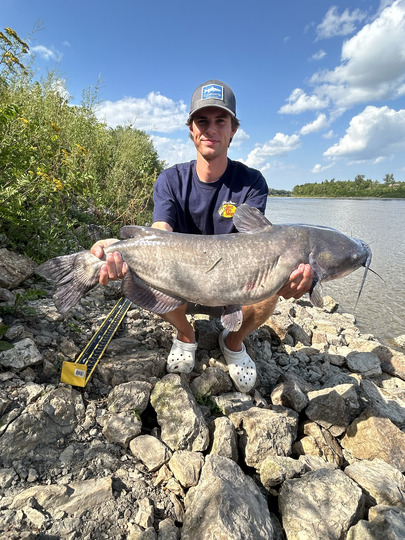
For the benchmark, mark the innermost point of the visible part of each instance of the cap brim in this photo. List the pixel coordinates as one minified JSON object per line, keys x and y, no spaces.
{"x":214,"y":103}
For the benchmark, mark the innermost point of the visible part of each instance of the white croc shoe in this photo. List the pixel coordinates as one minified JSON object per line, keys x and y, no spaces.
{"x":181,"y":358}
{"x":242,"y":369}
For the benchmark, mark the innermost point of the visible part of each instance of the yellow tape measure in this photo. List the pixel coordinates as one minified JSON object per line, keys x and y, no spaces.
{"x":78,"y":373}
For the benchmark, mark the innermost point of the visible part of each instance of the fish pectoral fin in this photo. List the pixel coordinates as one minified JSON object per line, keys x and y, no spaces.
{"x":315,"y":294}
{"x":232,"y":318}
{"x":146,"y":296}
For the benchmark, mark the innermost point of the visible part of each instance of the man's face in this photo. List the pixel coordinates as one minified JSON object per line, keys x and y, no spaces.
{"x":211,"y":131}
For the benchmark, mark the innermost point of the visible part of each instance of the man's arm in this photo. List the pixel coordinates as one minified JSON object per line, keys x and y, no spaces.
{"x":115,"y":267}
{"x":162,"y":225}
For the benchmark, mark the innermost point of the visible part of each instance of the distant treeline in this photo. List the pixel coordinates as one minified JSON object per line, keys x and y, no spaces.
{"x":279,"y":193}
{"x":359,"y":187}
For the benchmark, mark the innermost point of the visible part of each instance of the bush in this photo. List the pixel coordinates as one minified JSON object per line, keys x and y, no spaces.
{"x":60,"y":167}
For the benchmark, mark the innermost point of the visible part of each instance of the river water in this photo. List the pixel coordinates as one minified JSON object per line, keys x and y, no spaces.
{"x":380,"y":223}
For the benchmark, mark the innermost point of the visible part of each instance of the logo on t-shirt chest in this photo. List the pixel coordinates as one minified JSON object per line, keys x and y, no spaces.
{"x":227,"y":210}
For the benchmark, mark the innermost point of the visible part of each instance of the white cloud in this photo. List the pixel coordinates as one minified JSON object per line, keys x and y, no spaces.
{"x":174,"y":151}
{"x":319,"y":123}
{"x":318,"y":55}
{"x":152,"y":113}
{"x":59,"y":86}
{"x":46,"y":53}
{"x":339,"y":25}
{"x":318,"y":168}
{"x":329,"y":135}
{"x":373,"y":134}
{"x":373,"y":62}
{"x":299,"y":102}
{"x":281,"y":144}
{"x":372,"y":68}
{"x":240,"y":137}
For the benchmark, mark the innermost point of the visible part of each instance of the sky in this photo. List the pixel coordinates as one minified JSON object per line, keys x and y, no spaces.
{"x":319,"y":85}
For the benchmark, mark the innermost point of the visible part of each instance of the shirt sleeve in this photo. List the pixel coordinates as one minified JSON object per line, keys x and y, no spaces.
{"x":257,"y":195}
{"x":164,"y":201}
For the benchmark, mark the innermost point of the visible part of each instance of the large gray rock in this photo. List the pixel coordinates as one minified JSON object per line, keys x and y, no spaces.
{"x":381,"y":483}
{"x":383,"y":404}
{"x":54,"y":415}
{"x":182,"y":422}
{"x":226,"y":504}
{"x":265,"y":432}
{"x":386,"y":523}
{"x":369,"y":437}
{"x":321,"y":504}
{"x":333,"y":408}
{"x":23,"y":354}
{"x":14,"y":268}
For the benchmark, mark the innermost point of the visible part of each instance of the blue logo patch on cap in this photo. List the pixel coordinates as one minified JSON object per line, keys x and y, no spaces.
{"x":213,"y":91}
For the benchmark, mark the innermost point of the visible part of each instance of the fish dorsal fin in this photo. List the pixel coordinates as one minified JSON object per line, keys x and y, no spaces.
{"x":248,"y":220}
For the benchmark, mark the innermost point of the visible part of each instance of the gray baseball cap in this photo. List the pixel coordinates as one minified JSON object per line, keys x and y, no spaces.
{"x":213,"y":93}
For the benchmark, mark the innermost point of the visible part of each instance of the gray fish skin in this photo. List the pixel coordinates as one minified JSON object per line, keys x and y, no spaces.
{"x":167,"y":269}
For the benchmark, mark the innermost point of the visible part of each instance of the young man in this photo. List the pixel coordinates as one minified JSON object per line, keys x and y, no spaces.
{"x":201,"y":197}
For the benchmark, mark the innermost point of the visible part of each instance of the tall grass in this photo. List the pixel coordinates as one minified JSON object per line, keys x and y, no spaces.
{"x":60,"y":168}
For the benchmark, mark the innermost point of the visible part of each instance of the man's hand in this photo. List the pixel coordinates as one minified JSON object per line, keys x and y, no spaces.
{"x":114,"y":267}
{"x":299,"y":282}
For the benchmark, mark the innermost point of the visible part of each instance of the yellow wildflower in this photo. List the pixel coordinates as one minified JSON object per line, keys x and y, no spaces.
{"x":81,"y":149}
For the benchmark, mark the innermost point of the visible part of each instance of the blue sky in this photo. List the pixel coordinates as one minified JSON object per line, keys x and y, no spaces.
{"x":320,"y":86}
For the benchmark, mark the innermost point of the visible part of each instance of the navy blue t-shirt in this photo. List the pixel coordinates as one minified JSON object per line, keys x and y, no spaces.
{"x":194,"y":207}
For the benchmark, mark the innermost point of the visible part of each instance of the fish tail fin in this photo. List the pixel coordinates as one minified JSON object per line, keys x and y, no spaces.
{"x":74,"y":276}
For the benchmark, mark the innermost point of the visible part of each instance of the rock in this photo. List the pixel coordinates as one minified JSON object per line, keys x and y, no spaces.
{"x":121,"y":428}
{"x":265,"y":432}
{"x":320,"y":504}
{"x":318,"y":442}
{"x":74,"y":499}
{"x":211,"y":382}
{"x":400,"y":341}
{"x":382,"y":484}
{"x":97,"y":458}
{"x":386,"y":522}
{"x":333,"y":408}
{"x":145,"y":515}
{"x":186,"y":467}
{"x":183,"y":425}
{"x":56,"y":414}
{"x":366,"y":363}
{"x":131,"y":396}
{"x":150,"y":451}
{"x":383,"y":405}
{"x":23,"y":354}
{"x":14,"y":268}
{"x":289,"y":394}
{"x":276,"y":469}
{"x":226,"y":504}
{"x":370,"y":437}
{"x":224,"y":439}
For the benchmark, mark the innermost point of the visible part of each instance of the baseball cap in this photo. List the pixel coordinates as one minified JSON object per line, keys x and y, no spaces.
{"x":213,"y":93}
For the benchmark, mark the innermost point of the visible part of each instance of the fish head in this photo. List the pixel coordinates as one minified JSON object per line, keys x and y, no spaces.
{"x":336,"y":255}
